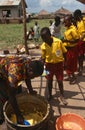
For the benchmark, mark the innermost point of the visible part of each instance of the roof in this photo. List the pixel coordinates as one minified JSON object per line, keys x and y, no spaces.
{"x":83,"y":11}
{"x":43,"y":12}
{"x":62,"y":11}
{"x":82,"y":1}
{"x":10,"y":2}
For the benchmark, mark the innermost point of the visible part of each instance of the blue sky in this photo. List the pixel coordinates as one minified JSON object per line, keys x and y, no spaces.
{"x":35,"y":6}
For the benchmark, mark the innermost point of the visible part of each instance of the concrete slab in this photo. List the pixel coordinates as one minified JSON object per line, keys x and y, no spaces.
{"x":75,"y":96}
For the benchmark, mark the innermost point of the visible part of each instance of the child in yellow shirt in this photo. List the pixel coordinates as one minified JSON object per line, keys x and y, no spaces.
{"x":52,"y":55}
{"x":70,"y":41}
{"x":80,"y":24}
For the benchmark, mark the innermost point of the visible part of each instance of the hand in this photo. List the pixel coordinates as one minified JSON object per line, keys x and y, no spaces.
{"x":20,"y":119}
{"x":82,"y":37}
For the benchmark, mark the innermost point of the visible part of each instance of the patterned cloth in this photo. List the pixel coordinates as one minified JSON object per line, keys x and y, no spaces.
{"x":13,"y":69}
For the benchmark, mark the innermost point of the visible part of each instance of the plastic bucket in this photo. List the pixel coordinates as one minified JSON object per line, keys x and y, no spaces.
{"x":30,"y":104}
{"x":70,"y":121}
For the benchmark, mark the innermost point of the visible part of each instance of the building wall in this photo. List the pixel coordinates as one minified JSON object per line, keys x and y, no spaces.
{"x":16,"y":11}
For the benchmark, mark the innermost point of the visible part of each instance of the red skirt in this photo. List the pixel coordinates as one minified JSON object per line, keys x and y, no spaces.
{"x":55,"y":69}
{"x":81,"y":47}
{"x":71,"y":60}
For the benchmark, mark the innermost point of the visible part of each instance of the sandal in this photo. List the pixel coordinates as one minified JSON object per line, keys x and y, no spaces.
{"x":33,"y":92}
{"x":63,"y":100}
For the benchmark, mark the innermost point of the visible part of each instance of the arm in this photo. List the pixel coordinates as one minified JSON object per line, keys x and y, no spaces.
{"x":64,"y":55}
{"x":29,"y":86}
{"x":34,"y":69}
{"x":13,"y":102}
{"x":28,"y":83}
{"x":42,"y":60}
{"x":43,"y":55}
{"x":74,"y":37}
{"x":70,"y":41}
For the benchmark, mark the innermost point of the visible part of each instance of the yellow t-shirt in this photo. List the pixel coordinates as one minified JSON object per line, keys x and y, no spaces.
{"x":81,"y":28}
{"x":70,"y":34}
{"x":54,"y":53}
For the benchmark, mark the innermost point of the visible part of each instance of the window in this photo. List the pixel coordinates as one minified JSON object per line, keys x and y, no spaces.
{"x":6,"y":13}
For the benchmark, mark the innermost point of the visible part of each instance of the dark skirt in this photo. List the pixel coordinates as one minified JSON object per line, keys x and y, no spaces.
{"x":71,"y":60}
{"x":81,"y":47}
{"x":55,"y":69}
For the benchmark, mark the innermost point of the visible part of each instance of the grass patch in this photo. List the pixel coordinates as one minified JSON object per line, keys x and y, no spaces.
{"x":12,"y":34}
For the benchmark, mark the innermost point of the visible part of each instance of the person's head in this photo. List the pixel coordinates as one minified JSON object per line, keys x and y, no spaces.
{"x":36,"y":23}
{"x":50,"y":22}
{"x":68,"y":21}
{"x":77,"y":14}
{"x":46,"y":35}
{"x":35,"y":68}
{"x":57,"y":20}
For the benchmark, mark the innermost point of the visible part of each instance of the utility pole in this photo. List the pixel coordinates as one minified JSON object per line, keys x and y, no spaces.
{"x":25,"y":27}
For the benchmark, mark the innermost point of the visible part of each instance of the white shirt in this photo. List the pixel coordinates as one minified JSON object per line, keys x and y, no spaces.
{"x":56,"y":30}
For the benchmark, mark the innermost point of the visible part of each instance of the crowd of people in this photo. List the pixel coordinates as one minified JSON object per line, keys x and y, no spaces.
{"x":58,"y":53}
{"x":65,"y":52}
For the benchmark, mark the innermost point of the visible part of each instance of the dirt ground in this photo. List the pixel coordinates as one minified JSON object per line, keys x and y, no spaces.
{"x":74,"y":94}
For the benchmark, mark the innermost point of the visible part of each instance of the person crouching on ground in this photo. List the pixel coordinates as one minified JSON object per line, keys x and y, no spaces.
{"x":12,"y":71}
{"x":52,"y":55}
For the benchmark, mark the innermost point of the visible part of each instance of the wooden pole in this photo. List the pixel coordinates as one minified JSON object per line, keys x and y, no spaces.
{"x":25,"y":27}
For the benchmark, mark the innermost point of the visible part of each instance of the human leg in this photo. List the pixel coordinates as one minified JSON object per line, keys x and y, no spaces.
{"x":3,"y":98}
{"x":80,"y":63}
{"x":1,"y":113}
{"x":60,"y":84}
{"x":71,"y":64}
{"x":59,"y":77}
{"x":49,"y":86}
{"x":81,"y":51}
{"x":62,"y":99}
{"x":49,"y":77}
